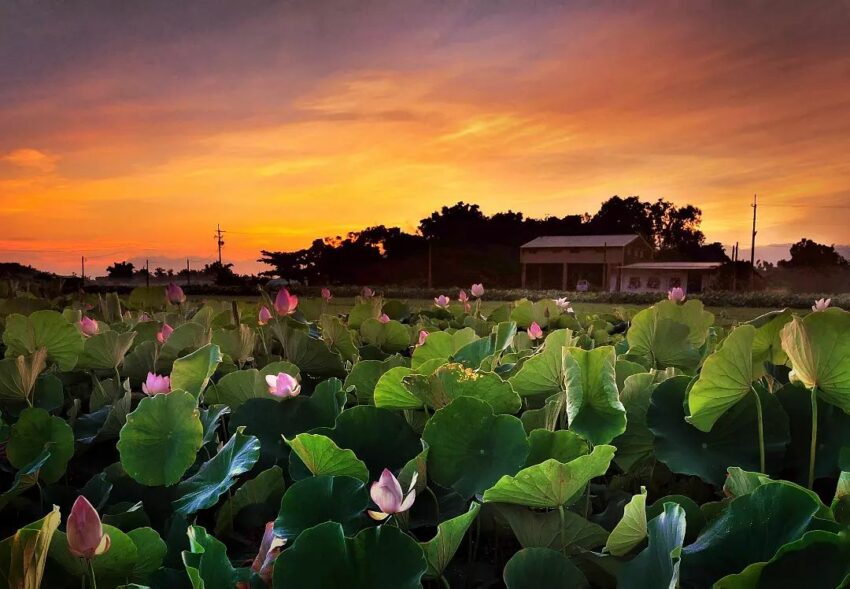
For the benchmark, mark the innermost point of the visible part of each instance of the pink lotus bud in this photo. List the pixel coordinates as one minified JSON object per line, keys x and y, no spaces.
{"x":326,"y":294}
{"x":156,"y":385}
{"x":175,"y":294}
{"x":467,"y":308}
{"x":88,"y":326}
{"x":387,"y":494}
{"x":283,"y":385}
{"x":367,"y":293}
{"x":462,"y":296}
{"x":477,"y":290}
{"x":534,"y":331}
{"x":821,"y":304}
{"x":677,"y":294}
{"x":285,"y":303}
{"x":164,"y":333}
{"x":85,"y":532}
{"x":144,"y":317}
{"x":423,"y":335}
{"x":384,"y":318}
{"x":442,"y":301}
{"x":564,"y":305}
{"x":264,"y":316}
{"x":270,"y":548}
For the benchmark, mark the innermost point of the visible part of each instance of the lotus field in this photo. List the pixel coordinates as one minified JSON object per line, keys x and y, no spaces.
{"x":151,"y":441}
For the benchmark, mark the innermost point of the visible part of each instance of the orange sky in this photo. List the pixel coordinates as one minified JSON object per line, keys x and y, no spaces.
{"x":128,"y":130}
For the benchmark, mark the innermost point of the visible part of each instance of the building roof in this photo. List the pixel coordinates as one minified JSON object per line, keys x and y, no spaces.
{"x":582,"y":241}
{"x":673,"y":266}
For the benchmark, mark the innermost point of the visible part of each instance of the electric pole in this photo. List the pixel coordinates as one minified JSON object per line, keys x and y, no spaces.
{"x":83,"y":270}
{"x":188,"y":274}
{"x":219,"y":241}
{"x":147,"y":273}
{"x":753,"y":242}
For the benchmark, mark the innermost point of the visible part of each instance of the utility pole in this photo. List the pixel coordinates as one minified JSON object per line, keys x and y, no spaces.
{"x":188,"y":274}
{"x":735,"y":268}
{"x":219,"y":241}
{"x":83,"y":270}
{"x":147,"y":273}
{"x":753,"y":243}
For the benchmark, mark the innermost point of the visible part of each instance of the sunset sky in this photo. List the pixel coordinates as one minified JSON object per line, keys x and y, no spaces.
{"x":128,"y":129}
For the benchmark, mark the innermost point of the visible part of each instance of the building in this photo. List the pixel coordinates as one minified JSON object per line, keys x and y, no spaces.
{"x":607,"y":262}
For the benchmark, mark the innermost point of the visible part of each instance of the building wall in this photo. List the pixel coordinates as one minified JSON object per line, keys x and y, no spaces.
{"x":655,"y":280}
{"x":571,"y":255}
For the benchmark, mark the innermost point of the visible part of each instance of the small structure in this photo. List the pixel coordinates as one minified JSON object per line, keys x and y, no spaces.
{"x":662,"y":276}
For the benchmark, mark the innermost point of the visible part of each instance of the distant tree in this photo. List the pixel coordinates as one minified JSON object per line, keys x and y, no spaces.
{"x":807,"y":253}
{"x":160,"y":272}
{"x":223,"y":273}
{"x":123,"y":269}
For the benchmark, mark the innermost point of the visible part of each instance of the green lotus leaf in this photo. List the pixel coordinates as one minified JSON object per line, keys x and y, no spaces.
{"x":206,"y":562}
{"x":543,"y":311}
{"x":235,"y":388}
{"x":593,"y":403}
{"x":320,"y":499}
{"x":161,"y":438}
{"x":767,"y":343}
{"x":147,"y":297}
{"x":24,"y":554}
{"x":668,"y":334}
{"x":44,"y":329}
{"x":452,"y":381}
{"x":391,"y":336}
{"x":543,"y":529}
{"x":264,"y":490}
{"x":441,"y":345}
{"x":112,"y":568}
{"x":366,"y":374}
{"x":322,"y":456}
{"x":470,"y":447}
{"x":185,"y":338}
{"x":338,"y":337}
{"x":311,"y":355}
{"x":562,"y":445}
{"x":192,"y":373}
{"x":440,"y":549}
{"x":543,"y":373}
{"x":658,"y":564}
{"x":631,"y":529}
{"x":105,"y":350}
{"x":693,"y":514}
{"x":25,"y":478}
{"x":376,"y":557}
{"x":533,"y":568}
{"x":368,"y":309}
{"x":635,"y":444}
{"x":391,"y":393}
{"x":236,"y":342}
{"x":624,"y":369}
{"x":36,"y":431}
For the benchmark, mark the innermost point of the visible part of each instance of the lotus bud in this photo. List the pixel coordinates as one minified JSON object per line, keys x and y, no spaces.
{"x":462,"y":296}
{"x":285,"y":303}
{"x":283,"y":385}
{"x":144,"y":317}
{"x":326,"y":294}
{"x":264,"y":316}
{"x":384,"y":318}
{"x":677,"y":294}
{"x":423,"y":335}
{"x":164,"y":333}
{"x":270,"y":548}
{"x":175,"y":294}
{"x":534,"y":331}
{"x":88,"y":326}
{"x":564,"y":305}
{"x":442,"y":301}
{"x":387,"y":494}
{"x":477,"y":290}
{"x":821,"y":305}
{"x":367,"y":293}
{"x":85,"y":531}
{"x":156,"y":385}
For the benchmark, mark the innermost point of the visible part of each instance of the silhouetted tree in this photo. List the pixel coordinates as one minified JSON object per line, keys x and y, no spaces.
{"x":123,"y":269}
{"x":807,"y":253}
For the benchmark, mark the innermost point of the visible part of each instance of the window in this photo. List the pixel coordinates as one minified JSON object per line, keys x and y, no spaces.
{"x":653,"y":282}
{"x":675,"y":282}
{"x":634,"y":282}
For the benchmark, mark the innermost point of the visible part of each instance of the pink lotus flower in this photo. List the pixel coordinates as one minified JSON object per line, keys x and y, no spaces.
{"x":270,"y":548}
{"x":156,"y":385}
{"x":366,"y":292}
{"x":462,"y":296}
{"x":164,"y":333}
{"x":175,"y":294}
{"x":423,"y":335}
{"x":283,"y":385}
{"x":88,"y":326}
{"x":477,"y":290}
{"x":677,"y":294}
{"x":387,"y":494}
{"x":326,"y":294}
{"x":442,"y":301}
{"x":384,"y":318}
{"x":821,"y":305}
{"x":534,"y":331}
{"x":144,"y":317}
{"x":264,"y":316}
{"x":85,"y":531}
{"x":285,"y":303}
{"x":564,"y":305}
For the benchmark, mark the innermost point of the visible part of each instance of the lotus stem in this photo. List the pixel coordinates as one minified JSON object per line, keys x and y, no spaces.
{"x":445,"y":582}
{"x":760,"y":418}
{"x":813,"y":446}
{"x":563,"y":528}
{"x":90,"y":562}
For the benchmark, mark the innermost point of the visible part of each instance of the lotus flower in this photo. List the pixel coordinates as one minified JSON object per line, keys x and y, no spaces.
{"x":144,"y":317}
{"x":677,"y":294}
{"x":85,"y":532}
{"x":326,"y":294}
{"x":387,"y":495}
{"x":156,"y":385}
{"x":477,"y":290}
{"x":264,"y":315}
{"x":384,"y":318}
{"x":534,"y":331}
{"x":282,"y":385}
{"x":821,"y":304}
{"x":88,"y":326}
{"x":175,"y":294}
{"x":367,"y":293}
{"x":564,"y":305}
{"x":164,"y":333}
{"x":423,"y":335}
{"x":285,"y":303}
{"x":462,"y":296}
{"x":270,"y":548}
{"x":442,"y":301}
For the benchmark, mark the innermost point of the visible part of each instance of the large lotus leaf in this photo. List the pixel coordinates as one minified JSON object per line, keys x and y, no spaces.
{"x":543,"y":311}
{"x":624,"y":369}
{"x":543,"y":529}
{"x":767,"y":343}
{"x":658,"y":564}
{"x":391,"y":336}
{"x":562,"y":445}
{"x":236,"y":342}
{"x":451,"y":381}
{"x":368,"y":308}
{"x":23,"y":303}
{"x":105,"y":350}
{"x":24,"y":554}
{"x":818,"y":560}
{"x":819,"y":351}
{"x":751,"y":529}
{"x":631,"y":529}
{"x":206,"y":562}
{"x":542,"y":374}
{"x":726,"y":378}
{"x":364,"y":376}
{"x":593,"y":403}
{"x":262,"y":492}
{"x":662,"y":335}
{"x":185,"y":337}
{"x":215,"y":477}
{"x":322,"y":456}
{"x":470,"y":447}
{"x":192,"y":373}
{"x":140,"y":361}
{"x":105,"y":423}
{"x":693,"y":514}
{"x":13,"y":391}
{"x":441,"y":345}
{"x":25,"y":478}
{"x":338,"y":337}
{"x":635,"y":444}
{"x":147,"y":297}
{"x":316,"y":500}
{"x":235,"y":388}
{"x":380,"y":438}
{"x":533,"y":568}
{"x":733,"y":441}
{"x":475,"y":353}
{"x":36,"y":431}
{"x":113,"y":568}
{"x":551,"y":483}
{"x":440,"y":549}
{"x":548,"y":416}
{"x":44,"y":329}
{"x":159,"y":442}
{"x":391,"y":393}
{"x":311,"y":355}
{"x":322,"y":557}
